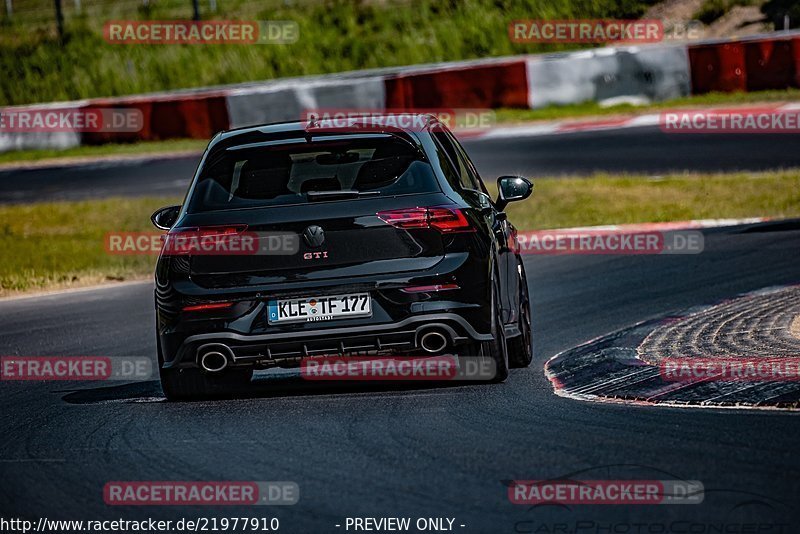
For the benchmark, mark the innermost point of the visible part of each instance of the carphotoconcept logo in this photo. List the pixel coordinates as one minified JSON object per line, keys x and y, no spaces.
{"x":586,"y":31}
{"x":164,"y":32}
{"x":610,"y":241}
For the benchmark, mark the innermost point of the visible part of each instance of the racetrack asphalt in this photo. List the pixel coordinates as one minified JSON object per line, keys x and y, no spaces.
{"x":413,"y":451}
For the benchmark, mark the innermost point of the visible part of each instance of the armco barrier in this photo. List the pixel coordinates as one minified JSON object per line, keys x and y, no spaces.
{"x":63,"y":140}
{"x":717,"y":67}
{"x":477,"y":86}
{"x":752,"y":64}
{"x":637,"y":73}
{"x":195,"y":116}
{"x":643,"y":73}
{"x":34,"y":141}
{"x":772,"y":64}
{"x":288,"y":101}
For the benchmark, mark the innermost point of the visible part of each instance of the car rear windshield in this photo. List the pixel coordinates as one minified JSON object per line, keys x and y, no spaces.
{"x":296,"y":172}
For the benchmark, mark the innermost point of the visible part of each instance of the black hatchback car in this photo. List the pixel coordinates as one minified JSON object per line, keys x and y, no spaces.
{"x":371,"y":240}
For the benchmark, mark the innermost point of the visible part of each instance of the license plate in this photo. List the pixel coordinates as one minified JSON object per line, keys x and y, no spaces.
{"x":319,"y":308}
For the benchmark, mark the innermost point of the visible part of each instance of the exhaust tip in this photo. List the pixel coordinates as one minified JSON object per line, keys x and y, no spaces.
{"x":433,"y":341}
{"x":213,"y":361}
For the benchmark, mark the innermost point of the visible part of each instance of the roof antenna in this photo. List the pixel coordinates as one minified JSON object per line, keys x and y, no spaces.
{"x":312,"y":123}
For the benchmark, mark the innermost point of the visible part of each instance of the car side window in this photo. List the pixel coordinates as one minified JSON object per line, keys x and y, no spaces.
{"x":457,"y":162}
{"x":446,"y":162}
{"x":473,"y":177}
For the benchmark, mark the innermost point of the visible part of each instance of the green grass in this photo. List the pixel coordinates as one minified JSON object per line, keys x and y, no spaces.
{"x":53,"y":245}
{"x":594,"y":109}
{"x":335,"y":36}
{"x":129,"y":149}
{"x":62,"y":244}
{"x":620,"y":199}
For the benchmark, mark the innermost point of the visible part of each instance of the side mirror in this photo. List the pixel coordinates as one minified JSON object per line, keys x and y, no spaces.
{"x":165,"y":218}
{"x":512,"y":188}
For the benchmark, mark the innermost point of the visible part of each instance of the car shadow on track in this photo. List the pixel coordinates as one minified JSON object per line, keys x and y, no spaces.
{"x":264,"y":386}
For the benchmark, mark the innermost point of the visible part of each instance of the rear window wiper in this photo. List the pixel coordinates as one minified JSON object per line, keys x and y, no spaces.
{"x":344,"y":193}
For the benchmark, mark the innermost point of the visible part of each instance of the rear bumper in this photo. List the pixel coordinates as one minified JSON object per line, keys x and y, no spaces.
{"x":287,"y":348}
{"x":398,"y":317}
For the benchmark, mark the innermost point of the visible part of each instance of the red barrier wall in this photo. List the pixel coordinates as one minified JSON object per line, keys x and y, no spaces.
{"x":745,"y":65}
{"x":717,"y":67}
{"x":771,"y":64}
{"x":483,"y":86}
{"x":192,"y":116}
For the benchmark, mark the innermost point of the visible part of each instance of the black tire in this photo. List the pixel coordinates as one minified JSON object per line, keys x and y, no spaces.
{"x":496,"y":349}
{"x":520,"y":348}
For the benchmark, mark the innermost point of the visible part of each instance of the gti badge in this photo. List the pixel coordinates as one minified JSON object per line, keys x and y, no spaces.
{"x":314,"y":236}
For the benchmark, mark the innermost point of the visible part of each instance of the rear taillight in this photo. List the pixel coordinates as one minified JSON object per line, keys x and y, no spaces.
{"x":212,"y":231}
{"x":449,"y":220}
{"x":187,"y":241}
{"x":406,"y":218}
{"x":443,"y":218}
